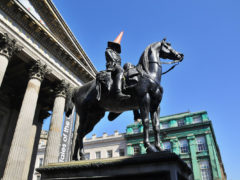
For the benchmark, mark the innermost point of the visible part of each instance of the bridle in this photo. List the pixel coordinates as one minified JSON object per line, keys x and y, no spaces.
{"x":175,"y":62}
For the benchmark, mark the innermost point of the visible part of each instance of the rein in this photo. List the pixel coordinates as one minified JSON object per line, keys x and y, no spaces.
{"x":171,"y":68}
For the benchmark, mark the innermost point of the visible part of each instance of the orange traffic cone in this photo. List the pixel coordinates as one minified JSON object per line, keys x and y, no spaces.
{"x":115,"y":45}
{"x":119,"y":38}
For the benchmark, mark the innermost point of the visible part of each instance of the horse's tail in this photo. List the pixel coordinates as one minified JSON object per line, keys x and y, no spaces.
{"x":69,"y":104}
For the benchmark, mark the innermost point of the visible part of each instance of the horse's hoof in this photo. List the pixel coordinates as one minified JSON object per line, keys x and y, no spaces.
{"x":159,"y":149}
{"x":82,"y":158}
{"x":74,"y":158}
{"x":151,"y":149}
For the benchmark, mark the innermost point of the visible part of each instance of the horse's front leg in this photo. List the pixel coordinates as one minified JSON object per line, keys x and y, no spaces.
{"x":144,"y":111}
{"x":156,"y":128}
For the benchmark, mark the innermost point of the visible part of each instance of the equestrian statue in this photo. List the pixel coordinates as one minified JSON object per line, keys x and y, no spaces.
{"x":120,"y":89}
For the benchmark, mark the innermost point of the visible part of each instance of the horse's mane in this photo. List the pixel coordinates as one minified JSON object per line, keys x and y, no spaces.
{"x":144,"y":60}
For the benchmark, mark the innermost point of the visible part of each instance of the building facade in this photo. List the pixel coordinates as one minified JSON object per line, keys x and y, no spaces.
{"x":40,"y":154}
{"x":40,"y":59}
{"x":189,"y":135}
{"x":106,"y":146}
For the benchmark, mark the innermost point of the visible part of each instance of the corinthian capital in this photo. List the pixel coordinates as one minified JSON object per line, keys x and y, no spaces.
{"x":8,"y":46}
{"x":61,"y":89}
{"x":38,"y":70}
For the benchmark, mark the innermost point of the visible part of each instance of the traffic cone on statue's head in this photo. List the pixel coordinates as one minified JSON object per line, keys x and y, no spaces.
{"x":119,"y":38}
{"x":115,"y":45}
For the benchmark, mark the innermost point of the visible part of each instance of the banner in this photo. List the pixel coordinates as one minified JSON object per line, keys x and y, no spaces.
{"x":66,"y":141}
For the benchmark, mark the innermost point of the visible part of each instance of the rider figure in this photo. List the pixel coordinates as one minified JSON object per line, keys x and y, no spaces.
{"x":113,"y":65}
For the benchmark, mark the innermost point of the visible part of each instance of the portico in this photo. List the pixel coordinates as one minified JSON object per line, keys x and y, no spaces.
{"x":36,"y":68}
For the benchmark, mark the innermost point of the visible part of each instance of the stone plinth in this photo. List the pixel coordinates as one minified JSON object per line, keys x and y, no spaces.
{"x":162,"y":165}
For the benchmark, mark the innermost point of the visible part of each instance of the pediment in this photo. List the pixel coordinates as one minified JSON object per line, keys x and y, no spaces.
{"x":33,"y":11}
{"x":55,"y":23}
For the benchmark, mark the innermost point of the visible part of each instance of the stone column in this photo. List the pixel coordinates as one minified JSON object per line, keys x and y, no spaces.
{"x":195,"y":165}
{"x":142,"y":148}
{"x":77,"y":121}
{"x":7,"y":48}
{"x":32,"y":138}
{"x":19,"y":148}
{"x":130,"y":150}
{"x":175,"y":146}
{"x":54,"y":135}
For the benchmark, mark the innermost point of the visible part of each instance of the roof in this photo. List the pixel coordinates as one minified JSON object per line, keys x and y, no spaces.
{"x":181,"y":115}
{"x":58,"y":26}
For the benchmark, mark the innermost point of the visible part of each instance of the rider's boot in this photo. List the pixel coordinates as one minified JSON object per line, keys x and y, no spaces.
{"x":118,"y":87}
{"x":120,"y":95}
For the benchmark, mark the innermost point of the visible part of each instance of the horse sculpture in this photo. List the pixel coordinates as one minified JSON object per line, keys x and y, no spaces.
{"x":146,"y":96}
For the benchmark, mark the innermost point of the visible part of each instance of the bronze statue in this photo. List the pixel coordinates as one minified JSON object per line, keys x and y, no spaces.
{"x":141,"y":86}
{"x":113,"y":65}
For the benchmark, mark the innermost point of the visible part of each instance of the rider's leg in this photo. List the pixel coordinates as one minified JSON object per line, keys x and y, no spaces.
{"x":118,"y":76}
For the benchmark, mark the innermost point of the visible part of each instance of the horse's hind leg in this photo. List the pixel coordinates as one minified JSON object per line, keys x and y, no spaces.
{"x":75,"y":152}
{"x":156,"y":128}
{"x":136,"y":115}
{"x":87,"y":124}
{"x":78,"y":147}
{"x":144,"y":111}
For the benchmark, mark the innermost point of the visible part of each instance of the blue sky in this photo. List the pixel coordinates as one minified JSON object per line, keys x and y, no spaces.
{"x":207,"y":32}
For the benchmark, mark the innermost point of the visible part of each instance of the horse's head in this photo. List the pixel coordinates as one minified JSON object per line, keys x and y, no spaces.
{"x":167,"y":52}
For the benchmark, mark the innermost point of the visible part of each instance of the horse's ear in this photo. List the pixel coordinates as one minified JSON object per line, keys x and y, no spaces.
{"x":164,"y":39}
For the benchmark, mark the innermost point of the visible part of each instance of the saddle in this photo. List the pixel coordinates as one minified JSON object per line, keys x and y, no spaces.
{"x":131,"y":75}
{"x":104,"y":79}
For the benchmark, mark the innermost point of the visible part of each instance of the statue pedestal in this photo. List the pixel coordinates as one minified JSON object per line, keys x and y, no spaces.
{"x":161,"y":165}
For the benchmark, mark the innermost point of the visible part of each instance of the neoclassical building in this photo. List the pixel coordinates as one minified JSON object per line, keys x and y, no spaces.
{"x":40,"y":154}
{"x":39,"y":60}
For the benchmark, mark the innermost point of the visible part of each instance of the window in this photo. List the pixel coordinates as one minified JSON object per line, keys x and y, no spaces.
{"x":165,"y":125}
{"x":197,"y":119}
{"x":87,"y":156}
{"x":183,"y":146}
{"x":181,"y":122}
{"x":109,"y":153}
{"x":136,"y":149}
{"x":201,"y":143}
{"x":40,"y":162}
{"x":98,"y":155}
{"x":205,"y":170}
{"x":135,"y":130}
{"x":167,"y":146}
{"x":121,"y":152}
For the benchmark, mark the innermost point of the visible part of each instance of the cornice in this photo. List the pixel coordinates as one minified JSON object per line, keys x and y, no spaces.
{"x":104,"y":140}
{"x":57,"y":25}
{"x":180,"y":115}
{"x":46,"y":38}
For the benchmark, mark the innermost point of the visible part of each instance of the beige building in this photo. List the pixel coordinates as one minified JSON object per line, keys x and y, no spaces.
{"x":39,"y":59}
{"x":106,"y":146}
